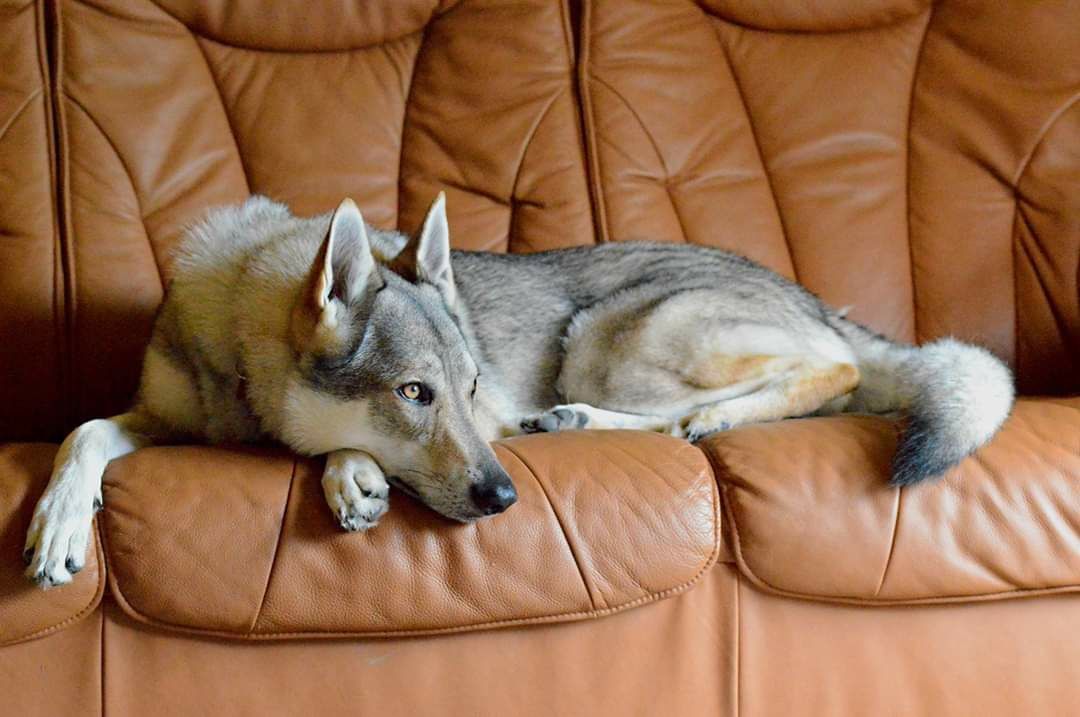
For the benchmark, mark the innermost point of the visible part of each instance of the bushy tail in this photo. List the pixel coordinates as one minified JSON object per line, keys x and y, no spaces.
{"x":954,"y":396}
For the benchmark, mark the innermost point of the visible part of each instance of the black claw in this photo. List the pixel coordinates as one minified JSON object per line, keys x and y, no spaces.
{"x":28,"y":556}
{"x":97,"y":504}
{"x":71,"y":566}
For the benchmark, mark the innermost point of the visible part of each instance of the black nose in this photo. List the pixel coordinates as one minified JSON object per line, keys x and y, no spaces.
{"x":492,"y":496}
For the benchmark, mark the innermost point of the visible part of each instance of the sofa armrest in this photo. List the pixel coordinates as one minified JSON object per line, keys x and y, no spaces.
{"x":809,"y":511}
{"x":27,"y":612}
{"x":239,"y":542}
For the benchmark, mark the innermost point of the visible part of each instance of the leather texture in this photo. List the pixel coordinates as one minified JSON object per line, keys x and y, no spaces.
{"x":675,"y":657}
{"x":224,"y":104}
{"x":916,"y":162}
{"x":1011,"y":657}
{"x":26,"y":612}
{"x":810,"y":514}
{"x":240,"y":542}
{"x":60,"y":674}
{"x":31,"y":283}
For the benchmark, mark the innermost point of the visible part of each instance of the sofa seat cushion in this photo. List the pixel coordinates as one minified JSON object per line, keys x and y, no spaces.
{"x":238,"y":542}
{"x":810,"y":513}
{"x":27,"y":612}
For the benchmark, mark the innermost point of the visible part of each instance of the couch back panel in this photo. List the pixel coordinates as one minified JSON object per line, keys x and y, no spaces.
{"x":171,"y":107}
{"x":917,"y":162}
{"x":31,"y":279}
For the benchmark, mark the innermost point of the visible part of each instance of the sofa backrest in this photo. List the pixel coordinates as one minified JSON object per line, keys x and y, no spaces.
{"x":917,"y":162}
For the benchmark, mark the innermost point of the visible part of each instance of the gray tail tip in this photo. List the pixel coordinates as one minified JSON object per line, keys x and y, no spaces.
{"x":921,"y":454}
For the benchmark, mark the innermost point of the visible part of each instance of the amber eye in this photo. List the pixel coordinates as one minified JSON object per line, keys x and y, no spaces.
{"x":415,"y":392}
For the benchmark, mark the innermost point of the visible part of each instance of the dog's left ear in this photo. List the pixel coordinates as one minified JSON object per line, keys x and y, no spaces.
{"x":426,"y":257}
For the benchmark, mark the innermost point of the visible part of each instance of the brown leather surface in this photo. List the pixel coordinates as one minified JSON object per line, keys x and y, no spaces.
{"x":240,"y":542}
{"x":674,"y":658}
{"x":917,"y":162}
{"x":994,"y":170}
{"x":31,"y":312}
{"x":810,"y":514}
{"x":57,"y":675}
{"x":25,"y":611}
{"x":473,"y":97}
{"x":999,"y":659}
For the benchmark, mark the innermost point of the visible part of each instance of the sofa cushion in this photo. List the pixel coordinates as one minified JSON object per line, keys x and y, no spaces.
{"x":26,"y":612}
{"x":810,"y":512}
{"x":239,"y":542}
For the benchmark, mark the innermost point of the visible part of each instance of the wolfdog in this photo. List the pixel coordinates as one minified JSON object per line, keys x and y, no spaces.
{"x":400,"y":360}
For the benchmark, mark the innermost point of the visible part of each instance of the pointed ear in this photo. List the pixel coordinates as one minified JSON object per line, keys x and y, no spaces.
{"x":343,"y":271}
{"x":427,"y":255}
{"x":344,"y":266}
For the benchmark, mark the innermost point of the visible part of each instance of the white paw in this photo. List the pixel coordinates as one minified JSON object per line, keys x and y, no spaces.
{"x":700,"y":425}
{"x":559,"y":418}
{"x":59,"y":536}
{"x":356,"y":491}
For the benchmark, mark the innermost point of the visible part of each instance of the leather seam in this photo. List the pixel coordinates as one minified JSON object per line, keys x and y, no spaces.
{"x":512,"y":203}
{"x":224,"y":110}
{"x":569,"y":616}
{"x":760,"y":152}
{"x":891,"y":23}
{"x":407,"y":104}
{"x":18,"y":111}
{"x":95,"y":600}
{"x":892,"y":541}
{"x":907,"y":174}
{"x":276,"y":51}
{"x":131,"y":181}
{"x":1045,"y":130}
{"x":588,"y":128}
{"x":747,"y":571}
{"x":277,"y":546}
{"x":590,"y":590}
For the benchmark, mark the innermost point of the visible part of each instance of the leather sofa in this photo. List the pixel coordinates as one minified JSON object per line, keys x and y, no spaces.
{"x":919,"y":162}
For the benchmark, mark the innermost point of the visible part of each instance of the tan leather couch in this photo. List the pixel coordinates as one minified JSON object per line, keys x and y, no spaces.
{"x":918,"y":162}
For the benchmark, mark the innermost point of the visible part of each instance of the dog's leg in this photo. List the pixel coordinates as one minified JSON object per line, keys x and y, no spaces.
{"x":801,"y":392}
{"x":581,"y":415}
{"x":60,"y":530}
{"x":355,"y":488}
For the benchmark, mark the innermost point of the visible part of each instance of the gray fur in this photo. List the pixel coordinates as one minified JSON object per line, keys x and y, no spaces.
{"x":315,"y":331}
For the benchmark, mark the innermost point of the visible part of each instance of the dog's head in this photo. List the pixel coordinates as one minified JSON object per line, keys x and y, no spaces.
{"x":384,"y":367}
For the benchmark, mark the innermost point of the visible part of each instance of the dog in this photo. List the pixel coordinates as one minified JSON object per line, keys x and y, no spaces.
{"x":400,"y":360}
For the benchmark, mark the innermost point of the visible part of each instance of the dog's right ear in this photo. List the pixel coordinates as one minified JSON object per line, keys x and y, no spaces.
{"x":341,"y":275}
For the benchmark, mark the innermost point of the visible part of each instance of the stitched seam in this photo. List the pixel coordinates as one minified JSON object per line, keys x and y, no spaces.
{"x":521,"y":163}
{"x":277,"y":547}
{"x":1049,"y":125}
{"x":358,"y":48}
{"x":1061,"y":323}
{"x":760,"y":152}
{"x":892,"y":541}
{"x":588,"y":128}
{"x":907,"y":174}
{"x":538,"y":620}
{"x":589,"y":588}
{"x":21,"y":108}
{"x":131,"y":182}
{"x":405,"y":122}
{"x":892,"y":22}
{"x":95,"y":600}
{"x":68,"y":299}
{"x":745,"y":569}
{"x":225,"y":111}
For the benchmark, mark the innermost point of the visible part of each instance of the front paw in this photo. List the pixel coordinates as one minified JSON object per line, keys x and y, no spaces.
{"x":560,"y":418}
{"x":58,"y":539}
{"x":356,"y":492}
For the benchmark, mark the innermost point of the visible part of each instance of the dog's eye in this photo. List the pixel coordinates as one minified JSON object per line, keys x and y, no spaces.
{"x":415,"y":392}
